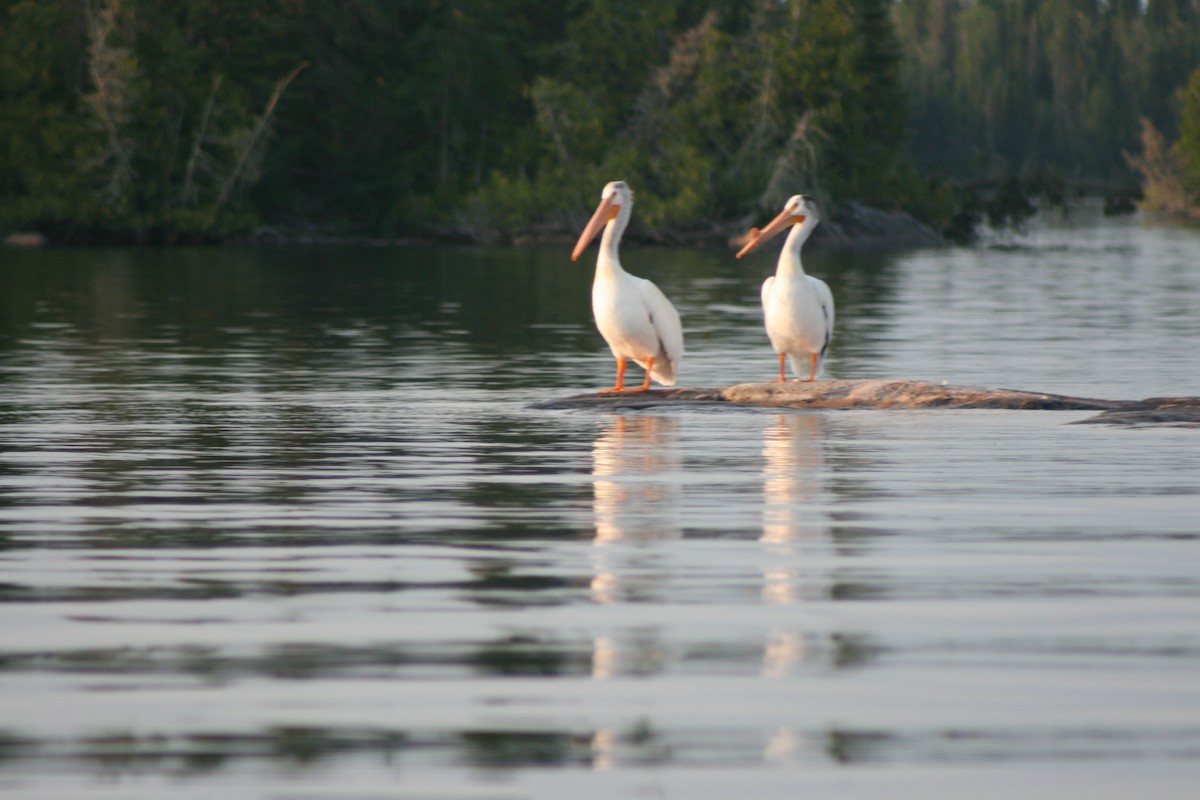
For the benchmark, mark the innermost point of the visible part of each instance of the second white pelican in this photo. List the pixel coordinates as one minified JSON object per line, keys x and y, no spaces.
{"x":797,"y":308}
{"x":633,"y":315}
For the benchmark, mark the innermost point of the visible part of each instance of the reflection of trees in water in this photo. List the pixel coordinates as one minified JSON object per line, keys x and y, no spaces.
{"x":640,"y":742}
{"x":866,"y":285}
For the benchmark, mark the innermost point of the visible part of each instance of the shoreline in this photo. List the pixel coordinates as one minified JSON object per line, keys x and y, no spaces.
{"x":854,"y":226}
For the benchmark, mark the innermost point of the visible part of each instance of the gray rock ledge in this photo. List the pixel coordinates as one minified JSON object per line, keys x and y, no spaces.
{"x":1177,"y":412}
{"x":889,"y":394}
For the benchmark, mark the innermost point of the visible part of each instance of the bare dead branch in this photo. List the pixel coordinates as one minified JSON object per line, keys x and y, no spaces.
{"x":259,"y":127}
{"x":187,"y":193}
{"x":111,"y":70}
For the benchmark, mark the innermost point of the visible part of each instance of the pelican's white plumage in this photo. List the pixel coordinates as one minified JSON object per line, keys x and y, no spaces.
{"x":633,"y":315}
{"x":797,"y":308}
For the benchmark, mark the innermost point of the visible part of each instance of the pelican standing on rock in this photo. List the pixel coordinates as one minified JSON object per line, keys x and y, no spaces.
{"x":797,"y":308}
{"x":632,"y":314}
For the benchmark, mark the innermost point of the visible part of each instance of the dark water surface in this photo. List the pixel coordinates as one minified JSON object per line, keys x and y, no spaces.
{"x":280,"y":523}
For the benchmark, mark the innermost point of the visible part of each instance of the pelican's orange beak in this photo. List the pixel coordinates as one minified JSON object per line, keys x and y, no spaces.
{"x":786,"y":217}
{"x":606,"y":212}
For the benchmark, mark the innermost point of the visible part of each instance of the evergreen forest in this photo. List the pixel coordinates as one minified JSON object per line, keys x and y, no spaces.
{"x":489,"y":120}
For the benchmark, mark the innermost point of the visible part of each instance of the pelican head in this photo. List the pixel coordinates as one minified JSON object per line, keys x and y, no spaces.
{"x":798,"y":210}
{"x":613,"y":198}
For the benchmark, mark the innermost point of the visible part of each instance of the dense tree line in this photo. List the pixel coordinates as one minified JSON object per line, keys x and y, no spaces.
{"x":195,"y":119}
{"x":1029,"y":85}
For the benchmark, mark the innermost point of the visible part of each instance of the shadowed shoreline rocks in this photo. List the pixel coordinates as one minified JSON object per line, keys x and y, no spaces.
{"x":889,"y":394}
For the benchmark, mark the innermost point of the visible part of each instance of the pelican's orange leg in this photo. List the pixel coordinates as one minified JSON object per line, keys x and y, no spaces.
{"x":812,"y":367}
{"x":645,"y":381}
{"x":620,"y":385}
{"x":782,"y":370}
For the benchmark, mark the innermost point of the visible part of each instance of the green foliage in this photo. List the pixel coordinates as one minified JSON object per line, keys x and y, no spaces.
{"x":998,"y":86}
{"x":734,"y":111}
{"x":180,"y":119}
{"x":142,"y":121}
{"x":436,"y":115}
{"x":43,"y":138}
{"x":1187,"y":148}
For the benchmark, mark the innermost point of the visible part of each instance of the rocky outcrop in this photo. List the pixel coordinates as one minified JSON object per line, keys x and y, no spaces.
{"x":838,"y":394}
{"x":636,"y":401}
{"x":1180,"y":412}
{"x":24,"y":239}
{"x":901,"y":394}
{"x":859,"y":226}
{"x":891,"y":394}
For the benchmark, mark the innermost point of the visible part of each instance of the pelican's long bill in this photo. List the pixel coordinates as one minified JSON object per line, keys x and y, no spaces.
{"x":607,"y":210}
{"x":786,"y":217}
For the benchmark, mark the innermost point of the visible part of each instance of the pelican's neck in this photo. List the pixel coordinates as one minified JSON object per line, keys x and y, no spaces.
{"x":789,"y":257}
{"x":610,"y":240}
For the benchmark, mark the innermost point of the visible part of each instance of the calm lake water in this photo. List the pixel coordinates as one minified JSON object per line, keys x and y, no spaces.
{"x":281,"y":523}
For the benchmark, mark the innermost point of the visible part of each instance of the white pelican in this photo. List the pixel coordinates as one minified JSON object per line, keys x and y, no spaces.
{"x":632,"y":314}
{"x":797,"y":308}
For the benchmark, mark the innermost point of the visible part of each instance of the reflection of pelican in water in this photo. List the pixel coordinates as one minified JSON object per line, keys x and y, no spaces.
{"x":634,"y":495}
{"x":635,"y":498}
{"x":794,"y":479}
{"x":783,"y":744}
{"x":795,"y":525}
{"x":633,"y":492}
